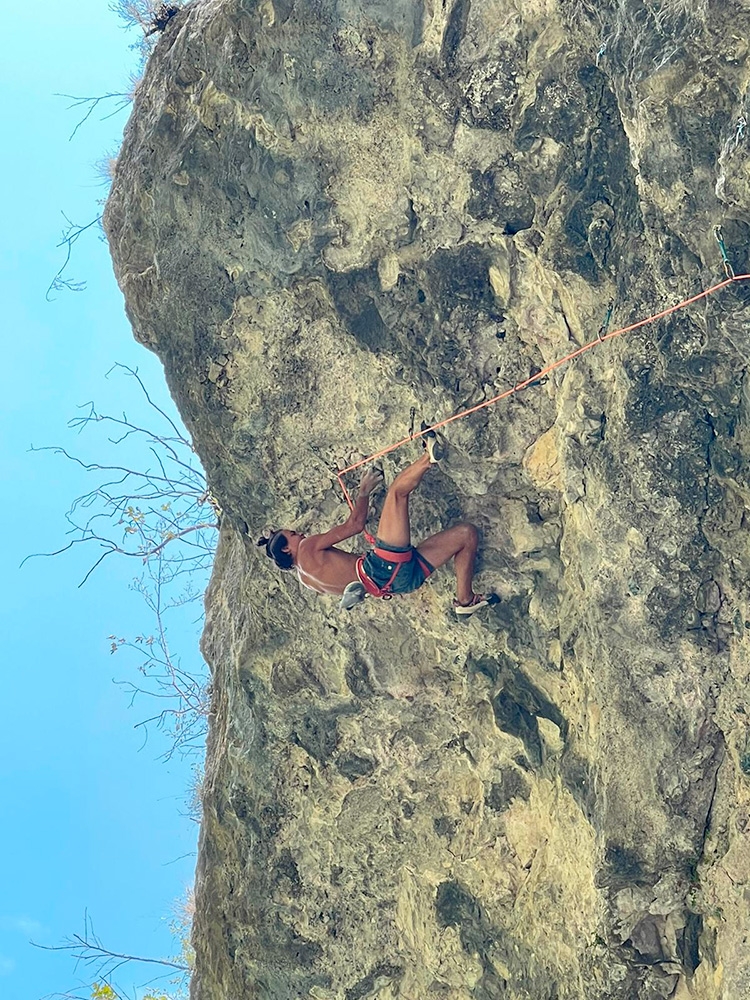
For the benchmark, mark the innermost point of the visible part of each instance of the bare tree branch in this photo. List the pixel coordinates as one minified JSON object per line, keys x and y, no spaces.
{"x":69,"y":236}
{"x":161,"y":513}
{"x":112,"y":548}
{"x":133,"y":372}
{"x":189,"y":695}
{"x":89,"y":951}
{"x":93,"y":103}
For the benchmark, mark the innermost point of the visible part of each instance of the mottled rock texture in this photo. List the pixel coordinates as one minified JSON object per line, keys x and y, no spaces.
{"x":327,"y":212}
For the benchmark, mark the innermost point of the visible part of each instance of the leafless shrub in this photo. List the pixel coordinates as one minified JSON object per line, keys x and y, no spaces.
{"x":149,"y":15}
{"x":161,"y":515}
{"x":88,"y":951}
{"x":105,"y":168}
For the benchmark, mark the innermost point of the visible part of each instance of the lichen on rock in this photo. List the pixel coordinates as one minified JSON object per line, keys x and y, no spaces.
{"x":327,"y":213}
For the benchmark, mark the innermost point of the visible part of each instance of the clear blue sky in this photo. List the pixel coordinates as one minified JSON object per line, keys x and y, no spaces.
{"x":89,"y":822}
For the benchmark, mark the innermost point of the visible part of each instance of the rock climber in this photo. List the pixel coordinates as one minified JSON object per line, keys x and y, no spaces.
{"x":393,"y":565}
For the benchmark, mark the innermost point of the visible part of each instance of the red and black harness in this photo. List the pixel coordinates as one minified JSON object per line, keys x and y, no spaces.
{"x":398,"y":559}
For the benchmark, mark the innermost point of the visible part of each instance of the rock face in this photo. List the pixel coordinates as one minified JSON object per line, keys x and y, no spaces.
{"x":327,"y":213}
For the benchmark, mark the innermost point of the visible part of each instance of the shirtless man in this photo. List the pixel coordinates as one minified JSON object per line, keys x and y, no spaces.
{"x":394,"y":565}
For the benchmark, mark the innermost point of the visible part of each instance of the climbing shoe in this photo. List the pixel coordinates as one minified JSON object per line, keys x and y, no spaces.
{"x":354,"y":593}
{"x":434,"y":447}
{"x":478,"y":602}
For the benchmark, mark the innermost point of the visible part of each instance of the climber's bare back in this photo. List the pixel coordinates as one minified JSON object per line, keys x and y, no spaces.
{"x":326,"y":570}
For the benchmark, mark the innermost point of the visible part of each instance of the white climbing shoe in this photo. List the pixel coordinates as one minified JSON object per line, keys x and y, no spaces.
{"x":354,"y":594}
{"x":478,"y":602}
{"x":433,"y":445}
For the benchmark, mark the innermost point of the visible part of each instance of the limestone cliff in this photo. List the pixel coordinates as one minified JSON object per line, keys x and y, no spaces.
{"x":327,"y":212}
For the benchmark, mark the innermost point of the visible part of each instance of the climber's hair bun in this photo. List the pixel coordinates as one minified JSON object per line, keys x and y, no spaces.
{"x":275,"y":544}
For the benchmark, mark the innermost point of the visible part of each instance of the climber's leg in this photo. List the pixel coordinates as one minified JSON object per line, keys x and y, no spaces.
{"x":393,"y":528}
{"x":459,"y":543}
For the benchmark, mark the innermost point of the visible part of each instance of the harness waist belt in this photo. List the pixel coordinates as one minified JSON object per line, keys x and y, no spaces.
{"x":398,"y":559}
{"x":394,"y":557}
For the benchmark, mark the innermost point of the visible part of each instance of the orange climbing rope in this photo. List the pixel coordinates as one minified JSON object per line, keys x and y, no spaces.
{"x":538,"y":376}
